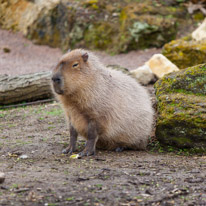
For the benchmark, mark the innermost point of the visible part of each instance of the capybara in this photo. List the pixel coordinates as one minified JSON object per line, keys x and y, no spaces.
{"x":110,"y":109}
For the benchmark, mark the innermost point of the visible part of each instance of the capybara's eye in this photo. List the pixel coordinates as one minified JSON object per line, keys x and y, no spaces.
{"x":75,"y":65}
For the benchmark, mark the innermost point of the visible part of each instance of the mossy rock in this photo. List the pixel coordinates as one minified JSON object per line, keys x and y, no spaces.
{"x":122,"y":30}
{"x":100,"y":35}
{"x":181,"y":107}
{"x":185,"y":52}
{"x":114,"y":26}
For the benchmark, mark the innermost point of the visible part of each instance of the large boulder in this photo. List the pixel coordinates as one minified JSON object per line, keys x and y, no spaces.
{"x":188,"y":51}
{"x":182,"y":108}
{"x":115,"y":26}
{"x":18,"y":15}
{"x":185,"y":52}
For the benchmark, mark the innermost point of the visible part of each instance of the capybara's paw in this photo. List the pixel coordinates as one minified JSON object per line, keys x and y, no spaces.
{"x":68,"y":150}
{"x":119,"y":149}
{"x":86,"y":152}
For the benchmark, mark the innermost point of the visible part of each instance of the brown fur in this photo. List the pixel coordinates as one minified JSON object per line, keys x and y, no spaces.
{"x":119,"y":106}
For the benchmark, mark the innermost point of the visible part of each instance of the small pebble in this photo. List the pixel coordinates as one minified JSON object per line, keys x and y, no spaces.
{"x":2,"y":177}
{"x":23,"y":157}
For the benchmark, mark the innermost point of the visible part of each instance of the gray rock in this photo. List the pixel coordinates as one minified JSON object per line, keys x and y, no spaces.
{"x":144,"y":75}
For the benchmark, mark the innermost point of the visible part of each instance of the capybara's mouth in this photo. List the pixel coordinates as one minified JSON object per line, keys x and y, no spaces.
{"x":58,"y":91}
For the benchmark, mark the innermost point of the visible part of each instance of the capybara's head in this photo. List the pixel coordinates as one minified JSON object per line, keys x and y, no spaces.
{"x":71,"y":72}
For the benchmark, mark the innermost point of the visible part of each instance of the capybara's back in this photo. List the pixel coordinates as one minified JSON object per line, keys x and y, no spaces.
{"x":102,"y":104}
{"x":129,"y":113}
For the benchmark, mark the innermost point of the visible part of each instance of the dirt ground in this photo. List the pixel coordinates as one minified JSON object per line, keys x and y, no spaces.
{"x":46,"y":177}
{"x":32,"y":138}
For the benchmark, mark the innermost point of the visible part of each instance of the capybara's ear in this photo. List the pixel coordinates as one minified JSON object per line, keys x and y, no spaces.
{"x":85,"y":57}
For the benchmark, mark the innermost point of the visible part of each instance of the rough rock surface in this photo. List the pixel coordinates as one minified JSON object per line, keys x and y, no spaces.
{"x":160,"y":65}
{"x":116,"y":26}
{"x":185,"y":52}
{"x":144,"y":75}
{"x":20,"y":14}
{"x":182,"y":108}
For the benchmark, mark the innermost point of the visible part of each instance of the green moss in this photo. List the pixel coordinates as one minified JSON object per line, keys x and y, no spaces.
{"x":66,"y":24}
{"x":181,"y":141}
{"x":182,"y":108}
{"x":199,"y":16}
{"x":156,"y":146}
{"x":100,"y":35}
{"x":94,"y":5}
{"x":191,"y":80}
{"x":185,"y":52}
{"x":116,"y":27}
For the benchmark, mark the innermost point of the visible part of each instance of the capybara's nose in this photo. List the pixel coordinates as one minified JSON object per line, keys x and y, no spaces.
{"x":56,"y":79}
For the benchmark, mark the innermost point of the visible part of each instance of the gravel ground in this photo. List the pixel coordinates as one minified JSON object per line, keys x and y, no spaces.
{"x":32,"y":138}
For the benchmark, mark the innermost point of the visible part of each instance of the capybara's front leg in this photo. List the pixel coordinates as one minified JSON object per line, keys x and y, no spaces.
{"x":73,"y":139}
{"x":92,"y":138}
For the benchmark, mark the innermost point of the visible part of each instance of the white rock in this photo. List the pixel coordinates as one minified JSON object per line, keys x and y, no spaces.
{"x":2,"y":177}
{"x":200,"y":33}
{"x":23,"y":156}
{"x":144,"y":75}
{"x":160,"y":65}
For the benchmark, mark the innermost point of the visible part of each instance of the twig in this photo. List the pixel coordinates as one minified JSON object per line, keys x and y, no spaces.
{"x":27,"y":103}
{"x":21,"y":190}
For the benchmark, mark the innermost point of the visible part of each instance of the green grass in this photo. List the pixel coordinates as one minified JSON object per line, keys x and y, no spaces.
{"x":51,"y":127}
{"x":2,"y":115}
{"x":55,"y":112}
{"x":98,"y":185}
{"x":69,"y":198}
{"x":15,"y":186}
{"x":21,"y":142}
{"x":3,"y":137}
{"x":11,"y":125}
{"x":52,"y":204}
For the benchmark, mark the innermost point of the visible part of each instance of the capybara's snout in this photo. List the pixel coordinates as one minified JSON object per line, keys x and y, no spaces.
{"x":56,"y":78}
{"x":57,"y":81}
